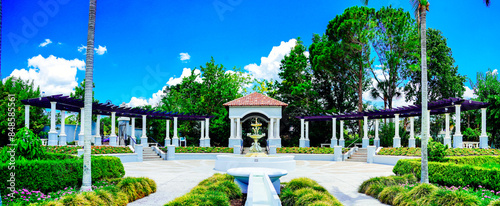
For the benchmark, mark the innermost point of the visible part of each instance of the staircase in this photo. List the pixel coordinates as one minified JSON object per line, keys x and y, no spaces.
{"x":149,"y":155}
{"x":359,"y":156}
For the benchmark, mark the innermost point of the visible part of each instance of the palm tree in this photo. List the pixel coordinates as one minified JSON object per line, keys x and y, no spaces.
{"x":89,"y":69}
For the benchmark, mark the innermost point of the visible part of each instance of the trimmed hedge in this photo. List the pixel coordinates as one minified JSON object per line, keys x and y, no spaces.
{"x":127,"y":190}
{"x":304,"y":191}
{"x":405,"y":151}
{"x":458,"y":171}
{"x":55,"y":174}
{"x":218,"y":190}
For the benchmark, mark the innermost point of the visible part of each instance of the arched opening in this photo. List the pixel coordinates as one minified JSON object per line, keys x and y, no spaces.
{"x":246,"y":122}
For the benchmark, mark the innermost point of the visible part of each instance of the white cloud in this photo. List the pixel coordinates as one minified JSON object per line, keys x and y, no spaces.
{"x":185,"y":56}
{"x":100,"y":50}
{"x":469,"y":93}
{"x":54,"y":75}
{"x":185,"y":73}
{"x":269,"y":66}
{"x":45,"y":43}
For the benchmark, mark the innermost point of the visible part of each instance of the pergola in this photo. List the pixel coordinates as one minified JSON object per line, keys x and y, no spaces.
{"x":65,"y":103}
{"x":446,"y":106}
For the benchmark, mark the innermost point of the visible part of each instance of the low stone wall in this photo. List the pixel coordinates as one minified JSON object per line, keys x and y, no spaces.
{"x":313,"y":157}
{"x":389,"y":160}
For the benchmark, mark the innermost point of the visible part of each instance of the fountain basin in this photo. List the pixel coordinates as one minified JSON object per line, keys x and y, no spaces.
{"x":225,"y":162}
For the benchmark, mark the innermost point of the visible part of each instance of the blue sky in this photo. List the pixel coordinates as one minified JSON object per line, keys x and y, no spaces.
{"x":141,"y":41}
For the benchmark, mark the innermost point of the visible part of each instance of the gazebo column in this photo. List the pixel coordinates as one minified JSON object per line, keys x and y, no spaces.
{"x":270,"y":133}
{"x":334,"y":133}
{"x":202,"y":134}
{"x":411,"y":141}
{"x":27,"y":116}
{"x":167,"y":133}
{"x":341,"y":140}
{"x":62,"y":134}
{"x":276,"y":140}
{"x":231,"y":132}
{"x":302,"y":141}
{"x":397,"y":139}
{"x":207,"y":137}
{"x":97,"y":136}
{"x":233,"y":139}
{"x":112,"y":136}
{"x":457,"y":138}
{"x":132,"y":132}
{"x":447,"y":138}
{"x":175,"y":139}
{"x":483,"y":139}
{"x":81,"y":136}
{"x":376,"y":141}
{"x":238,"y":128}
{"x":365,"y":141}
{"x":52,"y":132}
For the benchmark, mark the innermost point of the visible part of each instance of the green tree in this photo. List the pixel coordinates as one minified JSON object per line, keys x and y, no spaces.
{"x":89,"y":94}
{"x":443,"y":79}
{"x":19,"y":90}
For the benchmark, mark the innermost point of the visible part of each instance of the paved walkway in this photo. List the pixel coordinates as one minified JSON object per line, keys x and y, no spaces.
{"x":176,"y":178}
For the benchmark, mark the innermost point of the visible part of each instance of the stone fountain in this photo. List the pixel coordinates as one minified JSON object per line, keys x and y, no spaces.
{"x":255,"y":150}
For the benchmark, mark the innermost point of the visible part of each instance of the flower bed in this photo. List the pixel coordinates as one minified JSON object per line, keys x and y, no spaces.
{"x":308,"y":150}
{"x":95,"y":149}
{"x":200,"y":149}
{"x":405,"y":151}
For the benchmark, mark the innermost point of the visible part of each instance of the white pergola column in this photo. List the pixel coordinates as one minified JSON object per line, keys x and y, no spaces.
{"x":303,"y":141}
{"x":52,"y":132}
{"x":270,"y":132}
{"x":341,"y":140}
{"x":334,"y":133}
{"x":397,"y":139}
{"x":81,"y":136}
{"x":132,"y":130}
{"x":207,"y":132}
{"x":62,"y":134}
{"x":112,"y":136}
{"x":202,"y":133}
{"x":175,"y":139}
{"x":365,"y":140}
{"x":302,"y":129}
{"x":97,"y":136}
{"x":27,"y":116}
{"x":457,"y":138}
{"x":411,"y":141}
{"x":483,"y":139}
{"x":376,"y":141}
{"x":447,"y":138}
{"x":307,"y":130}
{"x":167,"y":133}
{"x":144,"y":137}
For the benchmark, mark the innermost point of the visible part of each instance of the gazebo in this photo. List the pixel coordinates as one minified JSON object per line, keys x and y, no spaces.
{"x":255,"y":105}
{"x":65,"y":103}
{"x":446,"y":106}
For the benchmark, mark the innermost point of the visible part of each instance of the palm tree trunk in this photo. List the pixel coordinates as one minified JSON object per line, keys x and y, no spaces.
{"x":87,"y":172}
{"x":425,"y":115}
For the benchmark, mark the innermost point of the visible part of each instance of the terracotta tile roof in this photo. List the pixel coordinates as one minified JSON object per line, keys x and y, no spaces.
{"x":255,"y":99}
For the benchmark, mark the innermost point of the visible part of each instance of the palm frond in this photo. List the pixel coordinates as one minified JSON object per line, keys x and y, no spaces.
{"x":487,"y":2}
{"x":365,"y":2}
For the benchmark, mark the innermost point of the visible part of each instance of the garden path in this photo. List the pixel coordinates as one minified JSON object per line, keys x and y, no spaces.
{"x":176,"y":178}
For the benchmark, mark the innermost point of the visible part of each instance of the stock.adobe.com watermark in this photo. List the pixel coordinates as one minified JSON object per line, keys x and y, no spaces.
{"x":11,"y":181}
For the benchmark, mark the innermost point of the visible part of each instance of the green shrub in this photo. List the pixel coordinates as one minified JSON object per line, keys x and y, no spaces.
{"x":53,"y":175}
{"x":495,"y":203}
{"x":451,"y":174}
{"x":28,"y":145}
{"x":375,"y":189}
{"x":309,"y":195}
{"x":136,"y":188}
{"x":421,"y":190}
{"x":436,"y":151}
{"x":451,"y":198}
{"x":389,"y":193}
{"x":305,"y":191}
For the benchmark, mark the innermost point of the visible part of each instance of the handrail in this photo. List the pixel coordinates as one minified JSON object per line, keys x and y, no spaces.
{"x":353,"y":142}
{"x":156,"y":142}
{"x":133,"y":139}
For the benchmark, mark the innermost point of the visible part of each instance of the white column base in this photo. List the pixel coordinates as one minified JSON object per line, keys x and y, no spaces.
{"x":342,"y":142}
{"x":274,"y":142}
{"x":170,"y":152}
{"x":365,"y":143}
{"x":370,"y":154}
{"x":138,"y":151}
{"x":396,"y":142}
{"x":98,"y":141}
{"x":112,"y":140}
{"x":457,"y":141}
{"x":144,"y":141}
{"x":81,"y":139}
{"x":411,"y":142}
{"x":333,"y":142}
{"x":175,"y":141}
{"x":376,"y":142}
{"x":62,"y":140}
{"x":207,"y":142}
{"x":202,"y":142}
{"x":233,"y":142}
{"x":167,"y":142}
{"x":304,"y":143}
{"x":337,"y":153}
{"x":447,"y":141}
{"x":483,"y":142}
{"x":52,"y":139}
{"x":272,"y":150}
